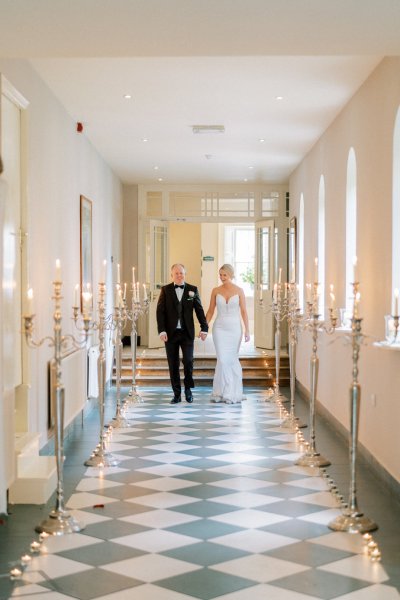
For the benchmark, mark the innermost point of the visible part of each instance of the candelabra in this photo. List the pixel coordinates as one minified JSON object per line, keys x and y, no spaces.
{"x":312,"y":458}
{"x":138,"y":308}
{"x":279,"y":309}
{"x":100,"y":457}
{"x":119,"y":421}
{"x":294,"y":319}
{"x":352,"y":520}
{"x":59,"y":521}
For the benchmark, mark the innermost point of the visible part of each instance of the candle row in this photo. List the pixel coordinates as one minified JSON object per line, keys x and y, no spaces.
{"x":87,"y":294}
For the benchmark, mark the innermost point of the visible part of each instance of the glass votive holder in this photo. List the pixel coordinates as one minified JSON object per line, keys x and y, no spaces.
{"x":345,"y":318}
{"x":391,"y":335}
{"x":15,"y":573}
{"x":375,"y":555}
{"x":35,"y":547}
{"x":26,"y":559}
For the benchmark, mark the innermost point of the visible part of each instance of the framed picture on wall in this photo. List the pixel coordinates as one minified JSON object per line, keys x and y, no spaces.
{"x":86,"y":282}
{"x":292,"y":249}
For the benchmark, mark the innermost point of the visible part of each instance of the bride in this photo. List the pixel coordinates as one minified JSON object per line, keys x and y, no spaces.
{"x":229,"y":300}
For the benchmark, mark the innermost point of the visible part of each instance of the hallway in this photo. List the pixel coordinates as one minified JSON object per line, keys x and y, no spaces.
{"x":205,"y":503}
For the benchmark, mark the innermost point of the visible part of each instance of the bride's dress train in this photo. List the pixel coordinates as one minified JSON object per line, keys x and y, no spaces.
{"x":227,"y":336}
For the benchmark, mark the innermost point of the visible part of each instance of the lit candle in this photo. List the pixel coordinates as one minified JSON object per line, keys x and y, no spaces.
{"x":144,"y":292}
{"x":118,"y":273}
{"x":280,"y":275}
{"x":76,"y":295}
{"x":133,"y":277}
{"x":308,"y":293}
{"x":117,"y":290}
{"x":356,"y":312}
{"x":125,"y":291}
{"x":396,"y":303}
{"x":86,"y":297}
{"x":58,"y":270}
{"x":333,"y":299}
{"x":293,"y":279}
{"x":355,"y":273}
{"x":137,"y":291}
{"x":316,"y":270}
{"x":26,"y":559}
{"x":103,"y":272}
{"x":261,"y":291}
{"x":30,"y":301}
{"x":35,"y":547}
{"x":15,"y":573}
{"x":275,"y":293}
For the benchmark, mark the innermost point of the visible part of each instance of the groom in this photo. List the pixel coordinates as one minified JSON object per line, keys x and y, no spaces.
{"x":175,"y":324}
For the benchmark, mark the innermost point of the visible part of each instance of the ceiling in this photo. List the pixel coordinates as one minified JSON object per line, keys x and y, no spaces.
{"x":202,"y":62}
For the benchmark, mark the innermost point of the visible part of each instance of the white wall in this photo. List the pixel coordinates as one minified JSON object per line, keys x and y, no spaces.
{"x":367,"y":125}
{"x":61,"y":165}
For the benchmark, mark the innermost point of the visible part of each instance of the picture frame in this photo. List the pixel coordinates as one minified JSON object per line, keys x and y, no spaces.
{"x":86,"y":267}
{"x":292,"y":257}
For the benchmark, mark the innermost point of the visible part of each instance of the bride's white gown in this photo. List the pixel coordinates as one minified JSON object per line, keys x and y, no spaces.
{"x":227,"y":335}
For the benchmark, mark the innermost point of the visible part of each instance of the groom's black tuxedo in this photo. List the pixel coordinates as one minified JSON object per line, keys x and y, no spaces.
{"x":170,"y":312}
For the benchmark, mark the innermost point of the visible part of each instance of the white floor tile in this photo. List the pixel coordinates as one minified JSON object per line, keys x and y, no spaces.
{"x":253,"y":540}
{"x":146,"y":591}
{"x":263,"y":591}
{"x":238,"y":457}
{"x":59,"y":543}
{"x":259,"y":568}
{"x":374,"y":592}
{"x":88,"y":518}
{"x":170,"y":457}
{"x":168,"y":470}
{"x":171,"y":447}
{"x":235,"y":469}
{"x":323,"y":517}
{"x":50,"y":566}
{"x":250,"y":518}
{"x":359,"y":566}
{"x":89,"y":484}
{"x":151,"y":567}
{"x":242,"y":483}
{"x":312,"y":483}
{"x":341,"y":541}
{"x":246,"y":499}
{"x":319,"y":498}
{"x":83,"y":499}
{"x":163,"y":500}
{"x":155,"y":540}
{"x":166,"y":484}
{"x":160,"y":519}
{"x":37,"y":592}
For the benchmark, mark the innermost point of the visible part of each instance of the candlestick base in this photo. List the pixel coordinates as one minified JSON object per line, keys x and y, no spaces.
{"x":292,"y":424}
{"x":120,"y":422}
{"x":102,"y":459}
{"x":352,"y":522}
{"x":312,"y":459}
{"x":134,"y":395}
{"x":59,"y":523}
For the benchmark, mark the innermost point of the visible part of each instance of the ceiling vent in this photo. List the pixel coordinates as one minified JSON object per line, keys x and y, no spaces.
{"x":208,"y":129}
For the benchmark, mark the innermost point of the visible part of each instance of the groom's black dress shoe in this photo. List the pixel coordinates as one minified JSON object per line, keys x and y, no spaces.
{"x":189,"y":395}
{"x":175,"y":400}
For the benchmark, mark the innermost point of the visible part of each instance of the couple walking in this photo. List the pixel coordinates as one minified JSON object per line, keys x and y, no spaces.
{"x":176,"y":305}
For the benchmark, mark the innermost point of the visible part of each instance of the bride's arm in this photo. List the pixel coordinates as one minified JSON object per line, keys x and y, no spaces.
{"x":211,"y":308}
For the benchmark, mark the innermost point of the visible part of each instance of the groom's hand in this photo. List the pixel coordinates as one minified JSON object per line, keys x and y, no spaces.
{"x":202,"y":335}
{"x":163,"y":337}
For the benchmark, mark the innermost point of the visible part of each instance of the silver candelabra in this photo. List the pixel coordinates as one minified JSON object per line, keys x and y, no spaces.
{"x":352,"y":520}
{"x":312,"y":323}
{"x":100,"y":457}
{"x":294,"y":319}
{"x":139,"y":307}
{"x":59,"y":521}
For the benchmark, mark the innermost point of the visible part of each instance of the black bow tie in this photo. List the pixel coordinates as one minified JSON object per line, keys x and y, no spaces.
{"x":179,"y":286}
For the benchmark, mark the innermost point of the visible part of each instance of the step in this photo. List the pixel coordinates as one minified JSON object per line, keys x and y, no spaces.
{"x":35,"y":482}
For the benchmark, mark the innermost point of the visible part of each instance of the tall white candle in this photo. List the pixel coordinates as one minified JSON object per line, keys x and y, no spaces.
{"x":308,"y":293}
{"x":260,"y":295}
{"x":118,"y":273}
{"x":29,"y":306}
{"x":144,"y":292}
{"x":103,"y":272}
{"x":280,"y":275}
{"x":315,"y":270}
{"x":76,"y":295}
{"x":355,"y":272}
{"x":133,"y":277}
{"x":293,"y":278}
{"x":117,"y":289}
{"x":58,"y":270}
{"x":124,"y":290}
{"x":275,"y":293}
{"x":333,"y":299}
{"x":137,"y":291}
{"x":396,"y":303}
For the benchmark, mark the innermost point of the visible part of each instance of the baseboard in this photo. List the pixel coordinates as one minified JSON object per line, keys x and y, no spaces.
{"x":362,"y":452}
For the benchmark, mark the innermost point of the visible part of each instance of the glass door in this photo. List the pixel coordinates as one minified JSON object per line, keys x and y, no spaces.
{"x":264,"y":277}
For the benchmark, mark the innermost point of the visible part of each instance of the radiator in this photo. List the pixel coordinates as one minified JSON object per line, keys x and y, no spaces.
{"x":74,"y":379}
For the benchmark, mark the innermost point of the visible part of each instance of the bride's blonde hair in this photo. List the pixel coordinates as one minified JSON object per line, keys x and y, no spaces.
{"x":228,"y":269}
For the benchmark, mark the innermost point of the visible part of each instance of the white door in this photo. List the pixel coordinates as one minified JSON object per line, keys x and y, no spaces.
{"x":158,"y":275}
{"x":264,"y":321}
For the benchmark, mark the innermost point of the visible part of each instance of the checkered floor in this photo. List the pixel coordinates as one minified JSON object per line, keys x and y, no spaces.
{"x":205,"y":503}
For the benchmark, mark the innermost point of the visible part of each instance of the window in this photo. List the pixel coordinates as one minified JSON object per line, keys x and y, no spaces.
{"x":301,"y":253}
{"x":239,"y":252}
{"x":351,"y":225}
{"x":396,"y":206}
{"x":321,"y":246}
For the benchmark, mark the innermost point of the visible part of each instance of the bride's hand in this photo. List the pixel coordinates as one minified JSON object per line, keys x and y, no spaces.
{"x":246,"y":337}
